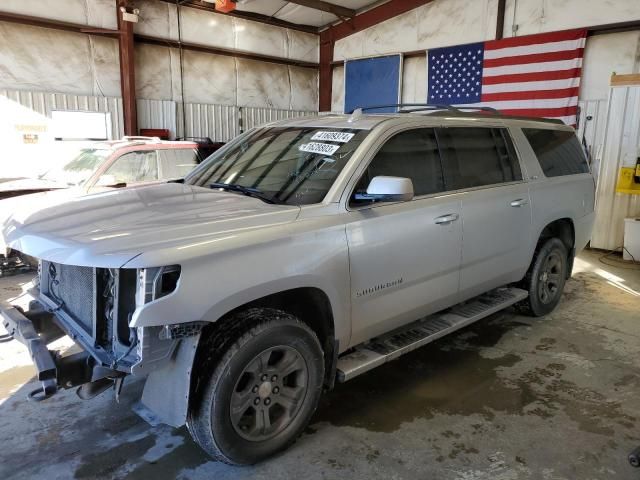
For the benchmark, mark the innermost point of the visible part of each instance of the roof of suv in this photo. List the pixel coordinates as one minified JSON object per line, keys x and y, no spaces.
{"x":154,"y":142}
{"x":362,"y":121}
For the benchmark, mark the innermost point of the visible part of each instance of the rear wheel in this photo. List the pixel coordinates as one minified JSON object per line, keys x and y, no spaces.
{"x":257,"y":398}
{"x":545,"y":279}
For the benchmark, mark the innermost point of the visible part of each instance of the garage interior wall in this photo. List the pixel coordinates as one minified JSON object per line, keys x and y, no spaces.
{"x":444,"y":23}
{"x":36,"y":59}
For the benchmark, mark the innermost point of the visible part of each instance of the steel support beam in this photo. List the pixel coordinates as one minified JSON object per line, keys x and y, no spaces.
{"x":127,"y":71}
{"x":502,"y":5}
{"x":194,"y":47}
{"x":325,"y":77}
{"x":56,"y":25}
{"x":337,"y":10}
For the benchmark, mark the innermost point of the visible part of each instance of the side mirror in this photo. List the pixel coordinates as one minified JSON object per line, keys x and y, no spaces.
{"x":109,"y":181}
{"x":388,"y":189}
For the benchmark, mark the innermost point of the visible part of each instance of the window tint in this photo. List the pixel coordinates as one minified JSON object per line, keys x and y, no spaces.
{"x":412,"y":154}
{"x":135,"y":167}
{"x":473,"y":157}
{"x":176,"y":163}
{"x":559,"y":152}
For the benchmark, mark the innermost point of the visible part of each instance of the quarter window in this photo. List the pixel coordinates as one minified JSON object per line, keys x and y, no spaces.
{"x":559,"y":151}
{"x":474,"y":157}
{"x":412,"y":154}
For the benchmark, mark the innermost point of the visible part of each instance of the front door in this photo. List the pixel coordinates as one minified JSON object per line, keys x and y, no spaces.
{"x":404,"y":257}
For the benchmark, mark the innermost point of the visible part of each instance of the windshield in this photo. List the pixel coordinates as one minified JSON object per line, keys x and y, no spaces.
{"x":78,"y":170}
{"x":292,"y":165}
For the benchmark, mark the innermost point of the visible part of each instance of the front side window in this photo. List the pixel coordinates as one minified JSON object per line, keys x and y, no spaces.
{"x":290,"y":165}
{"x":133,"y":167}
{"x":411,"y":154}
{"x":476,"y":156}
{"x":559,"y":151}
{"x":176,"y":162}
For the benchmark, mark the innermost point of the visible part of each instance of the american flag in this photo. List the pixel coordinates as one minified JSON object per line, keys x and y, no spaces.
{"x":534,"y":75}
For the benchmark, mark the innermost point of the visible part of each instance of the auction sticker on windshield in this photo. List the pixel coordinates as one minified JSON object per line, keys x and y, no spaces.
{"x":342,"y":137}
{"x":321,"y":148}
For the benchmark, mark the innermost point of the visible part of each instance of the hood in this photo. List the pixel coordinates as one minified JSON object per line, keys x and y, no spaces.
{"x":109,"y":229}
{"x":27,"y":185}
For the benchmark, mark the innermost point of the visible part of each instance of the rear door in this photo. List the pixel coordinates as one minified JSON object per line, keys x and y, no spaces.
{"x":496,"y":208}
{"x":404,"y":257}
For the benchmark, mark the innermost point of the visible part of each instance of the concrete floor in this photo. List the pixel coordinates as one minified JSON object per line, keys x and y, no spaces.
{"x":508,"y":398}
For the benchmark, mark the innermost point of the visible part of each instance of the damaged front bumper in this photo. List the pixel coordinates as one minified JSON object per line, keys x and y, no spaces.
{"x":35,"y":329}
{"x":164,"y":355}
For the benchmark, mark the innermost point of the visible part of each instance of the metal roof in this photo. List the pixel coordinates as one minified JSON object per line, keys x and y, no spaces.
{"x":301,"y":15}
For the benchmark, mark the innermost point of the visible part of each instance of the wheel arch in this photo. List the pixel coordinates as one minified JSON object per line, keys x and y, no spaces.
{"x":311,"y":305}
{"x":564,"y":230}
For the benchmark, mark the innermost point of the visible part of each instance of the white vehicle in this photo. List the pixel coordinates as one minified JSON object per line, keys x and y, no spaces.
{"x":95,"y":168}
{"x":302,"y":253}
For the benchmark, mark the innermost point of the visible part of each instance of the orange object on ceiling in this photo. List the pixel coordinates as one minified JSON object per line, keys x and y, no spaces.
{"x":225,"y":6}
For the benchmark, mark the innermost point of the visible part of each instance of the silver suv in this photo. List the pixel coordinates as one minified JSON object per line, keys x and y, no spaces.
{"x":302,"y":253}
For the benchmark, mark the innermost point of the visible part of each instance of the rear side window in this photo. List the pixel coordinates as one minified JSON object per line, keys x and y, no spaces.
{"x":176,"y":163}
{"x":559,"y":152}
{"x":473,"y":157}
{"x":412,"y":154}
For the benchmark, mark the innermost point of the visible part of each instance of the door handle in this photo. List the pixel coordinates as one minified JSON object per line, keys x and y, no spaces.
{"x":520,"y":202}
{"x":446,"y":219}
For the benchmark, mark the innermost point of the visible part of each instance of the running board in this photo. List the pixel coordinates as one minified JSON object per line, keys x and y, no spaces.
{"x":405,"y":339}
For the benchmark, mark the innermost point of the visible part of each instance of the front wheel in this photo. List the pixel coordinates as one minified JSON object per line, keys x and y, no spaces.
{"x":257,"y":398}
{"x":545,"y":278}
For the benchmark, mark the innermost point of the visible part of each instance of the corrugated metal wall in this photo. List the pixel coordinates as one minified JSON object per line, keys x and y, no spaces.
{"x":253,"y":116}
{"x":221,"y":123}
{"x":44,"y":103}
{"x":591,"y":127}
{"x":621,"y":146}
{"x":218,"y":122}
{"x":157,"y":114}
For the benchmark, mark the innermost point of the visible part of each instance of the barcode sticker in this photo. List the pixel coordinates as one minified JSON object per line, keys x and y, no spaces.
{"x":341,"y":137}
{"x":321,"y":148}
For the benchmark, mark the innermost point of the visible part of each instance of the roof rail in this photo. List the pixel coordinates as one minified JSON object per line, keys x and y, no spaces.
{"x":130,"y":138}
{"x":402,"y":105}
{"x":451,"y":108}
{"x":402,"y":108}
{"x":462,"y":109}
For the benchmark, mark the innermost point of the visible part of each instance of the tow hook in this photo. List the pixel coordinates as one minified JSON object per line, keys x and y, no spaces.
{"x":6,"y":338}
{"x":90,"y":390}
{"x":48,"y":390}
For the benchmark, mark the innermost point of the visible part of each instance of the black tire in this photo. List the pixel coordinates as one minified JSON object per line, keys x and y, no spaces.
{"x":545,"y":278}
{"x":249,"y":378}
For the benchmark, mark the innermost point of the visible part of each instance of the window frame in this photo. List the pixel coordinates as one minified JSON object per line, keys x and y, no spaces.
{"x":537,"y":158}
{"x":508,"y":138}
{"x":357,"y":175}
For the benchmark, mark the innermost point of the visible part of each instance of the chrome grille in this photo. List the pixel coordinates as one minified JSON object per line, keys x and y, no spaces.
{"x":72,"y":288}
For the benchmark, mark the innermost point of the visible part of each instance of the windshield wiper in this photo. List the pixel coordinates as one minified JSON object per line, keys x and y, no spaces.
{"x":248,"y":191}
